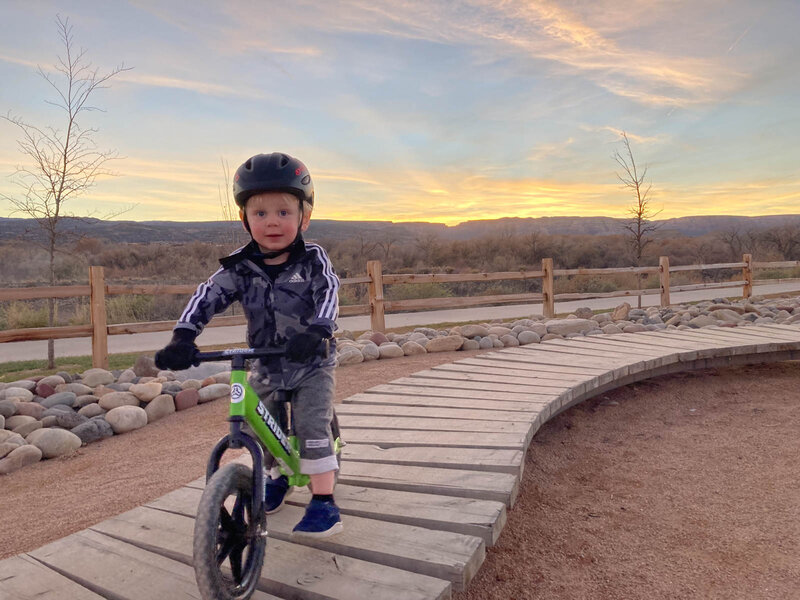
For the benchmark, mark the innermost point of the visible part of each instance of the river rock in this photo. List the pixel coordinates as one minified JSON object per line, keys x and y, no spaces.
{"x":93,"y":430}
{"x":8,"y":408}
{"x":214,"y":392}
{"x":76,"y":388}
{"x":390,"y":350}
{"x":565,"y":326}
{"x":126,"y":418}
{"x":193,"y":384}
{"x":145,"y":366}
{"x":378,"y":338}
{"x":116,"y":399}
{"x":51,"y":380}
{"x":702,"y":321}
{"x":349,"y":355}
{"x":32,"y":409}
{"x":70,"y":420}
{"x":726,"y":315}
{"x":509,"y":340}
{"x":411,"y":348}
{"x":16,"y":394}
{"x":128,"y":376}
{"x":54,"y":442}
{"x":6,"y":448}
{"x":25,"y":384}
{"x":584,"y":312}
{"x":44,"y":391}
{"x":11,"y":437}
{"x":187,"y":398}
{"x":146,"y":391}
{"x":469,"y":344}
{"x":371,"y":351}
{"x":27,"y":428}
{"x":448,"y":343}
{"x":611,"y":329}
{"x":634,"y":328}
{"x":528,"y":337}
{"x":56,"y":410}
{"x":63,"y":398}
{"x":471,"y":331}
{"x":159,"y":407}
{"x":20,"y":457}
{"x":91,"y":410}
{"x":86,"y":400}
{"x":95,"y":377}
{"x":486,"y":343}
{"x":17,"y":420}
{"x":620,"y":313}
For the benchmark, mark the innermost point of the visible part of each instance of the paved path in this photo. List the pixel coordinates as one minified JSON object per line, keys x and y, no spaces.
{"x":145,"y":342}
{"x":432,"y":464}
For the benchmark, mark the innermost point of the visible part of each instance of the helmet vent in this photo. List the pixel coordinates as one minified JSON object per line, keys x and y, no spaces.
{"x":284,"y":160}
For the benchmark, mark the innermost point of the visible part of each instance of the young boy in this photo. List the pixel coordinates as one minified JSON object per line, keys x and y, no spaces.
{"x":288,"y":290}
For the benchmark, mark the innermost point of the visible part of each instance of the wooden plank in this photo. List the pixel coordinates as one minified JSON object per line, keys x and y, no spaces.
{"x":410,"y":398}
{"x":512,"y":375}
{"x":489,"y":387}
{"x":31,"y":293}
{"x":434,"y":424}
{"x":421,"y":392}
{"x":482,"y":518}
{"x":45,"y":333}
{"x":393,"y":278}
{"x":591,"y":343}
{"x":119,"y":570}
{"x":475,"y":376}
{"x":390,"y":438}
{"x":24,"y":578}
{"x":476,"y":459}
{"x":439,"y":554}
{"x":523,"y":368}
{"x":480,"y":485}
{"x":434,"y":412}
{"x":535,"y":354}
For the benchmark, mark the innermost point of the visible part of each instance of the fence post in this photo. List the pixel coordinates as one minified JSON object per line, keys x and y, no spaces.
{"x":747,"y":275}
{"x":375,"y":273}
{"x":97,"y":310}
{"x":548,"y":296}
{"x":663,"y":264}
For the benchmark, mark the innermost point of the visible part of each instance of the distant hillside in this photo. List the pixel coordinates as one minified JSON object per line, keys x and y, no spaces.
{"x":223,"y":231}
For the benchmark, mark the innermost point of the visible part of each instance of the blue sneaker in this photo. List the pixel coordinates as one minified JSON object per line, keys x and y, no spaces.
{"x":275,"y":492}
{"x":320,"y":521}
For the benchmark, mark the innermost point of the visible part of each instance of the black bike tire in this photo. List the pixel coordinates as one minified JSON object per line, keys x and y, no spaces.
{"x":211,"y":581}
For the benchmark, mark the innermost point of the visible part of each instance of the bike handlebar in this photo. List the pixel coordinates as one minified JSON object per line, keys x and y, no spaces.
{"x":245,"y":353}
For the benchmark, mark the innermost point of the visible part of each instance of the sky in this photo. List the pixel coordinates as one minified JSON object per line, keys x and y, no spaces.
{"x":438,"y":111}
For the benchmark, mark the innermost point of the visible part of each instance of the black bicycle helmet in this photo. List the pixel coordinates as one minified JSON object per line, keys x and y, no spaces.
{"x":276,"y":172}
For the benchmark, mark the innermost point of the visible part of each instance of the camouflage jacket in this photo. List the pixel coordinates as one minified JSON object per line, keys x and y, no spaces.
{"x":304,"y":293}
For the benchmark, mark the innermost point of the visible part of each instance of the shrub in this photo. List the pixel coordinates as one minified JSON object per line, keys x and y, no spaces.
{"x":22,"y":315}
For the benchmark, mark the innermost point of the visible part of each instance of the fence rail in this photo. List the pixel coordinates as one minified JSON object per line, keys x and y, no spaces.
{"x":99,"y":329}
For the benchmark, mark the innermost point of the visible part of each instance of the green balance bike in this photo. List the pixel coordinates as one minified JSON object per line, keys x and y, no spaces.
{"x":230,"y":531}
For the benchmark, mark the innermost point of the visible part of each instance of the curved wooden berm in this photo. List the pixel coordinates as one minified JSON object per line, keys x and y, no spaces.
{"x":433,"y":462}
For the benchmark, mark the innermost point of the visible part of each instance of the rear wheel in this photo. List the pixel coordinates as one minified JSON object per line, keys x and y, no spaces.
{"x":229,"y":540}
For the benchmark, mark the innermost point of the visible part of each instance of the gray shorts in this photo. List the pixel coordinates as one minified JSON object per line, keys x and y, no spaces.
{"x":312,"y":412}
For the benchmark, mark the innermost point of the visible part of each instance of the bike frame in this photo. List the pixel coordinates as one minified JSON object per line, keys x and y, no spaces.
{"x":246,"y":407}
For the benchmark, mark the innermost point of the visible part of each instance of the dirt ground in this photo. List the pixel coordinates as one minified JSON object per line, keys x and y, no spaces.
{"x":678,"y":487}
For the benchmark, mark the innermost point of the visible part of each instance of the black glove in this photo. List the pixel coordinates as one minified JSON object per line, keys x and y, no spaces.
{"x":302,"y":346}
{"x":179,"y":353}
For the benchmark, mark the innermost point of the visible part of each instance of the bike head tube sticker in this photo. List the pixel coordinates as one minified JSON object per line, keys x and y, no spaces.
{"x":237,"y":392}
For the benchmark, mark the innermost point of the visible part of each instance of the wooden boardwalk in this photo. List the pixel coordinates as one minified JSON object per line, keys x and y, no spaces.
{"x":432,"y":464}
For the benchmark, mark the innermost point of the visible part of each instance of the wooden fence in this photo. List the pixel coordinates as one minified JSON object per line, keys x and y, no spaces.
{"x":378,"y":305}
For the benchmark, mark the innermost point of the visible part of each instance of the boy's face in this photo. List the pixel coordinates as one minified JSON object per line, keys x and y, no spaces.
{"x":274,"y":218}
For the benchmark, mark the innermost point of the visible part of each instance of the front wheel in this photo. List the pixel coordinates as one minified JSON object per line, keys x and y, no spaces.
{"x":229,"y":540}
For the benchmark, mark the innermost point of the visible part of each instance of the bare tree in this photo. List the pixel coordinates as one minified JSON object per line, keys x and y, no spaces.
{"x":640,"y":225}
{"x":65,"y":162}
{"x":229,"y":209}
